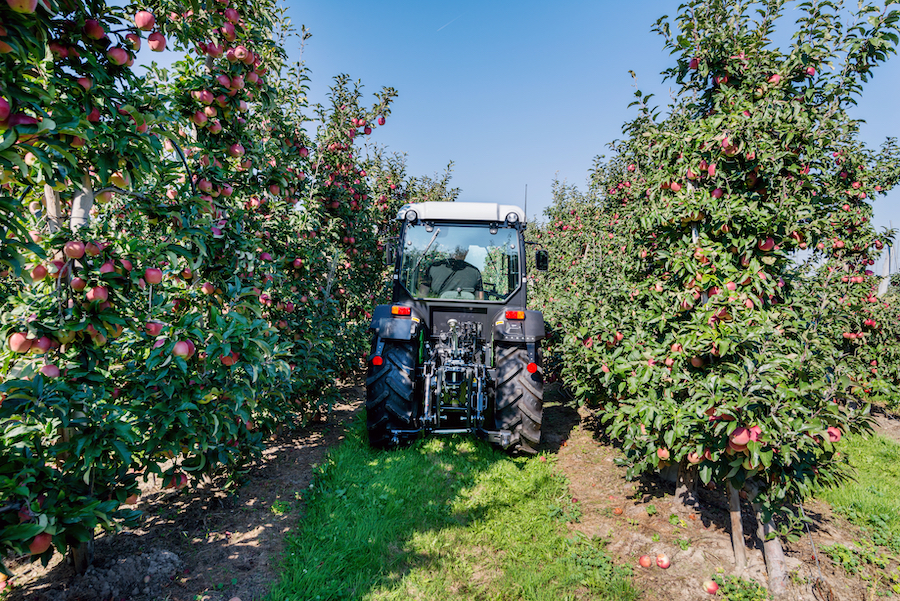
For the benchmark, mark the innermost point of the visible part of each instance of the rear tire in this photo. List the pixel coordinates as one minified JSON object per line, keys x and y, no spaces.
{"x":519,"y":397}
{"x":390,"y":393}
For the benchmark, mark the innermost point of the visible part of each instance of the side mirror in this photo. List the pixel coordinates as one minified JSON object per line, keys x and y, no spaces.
{"x":389,"y":253}
{"x":541,"y":260}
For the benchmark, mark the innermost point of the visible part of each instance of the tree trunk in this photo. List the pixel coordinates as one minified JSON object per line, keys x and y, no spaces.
{"x":81,"y":555}
{"x":737,"y":528}
{"x":54,"y":209}
{"x":772,"y":549}
{"x":686,"y":487}
{"x":82,"y":204}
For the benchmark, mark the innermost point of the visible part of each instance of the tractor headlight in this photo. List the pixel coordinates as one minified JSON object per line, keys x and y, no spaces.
{"x":512,"y":218}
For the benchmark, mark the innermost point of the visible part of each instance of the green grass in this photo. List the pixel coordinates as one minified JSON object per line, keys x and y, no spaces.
{"x":872,"y":501}
{"x":447,"y":518}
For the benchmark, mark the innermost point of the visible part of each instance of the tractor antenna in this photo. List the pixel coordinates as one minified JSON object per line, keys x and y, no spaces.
{"x":526,"y":202}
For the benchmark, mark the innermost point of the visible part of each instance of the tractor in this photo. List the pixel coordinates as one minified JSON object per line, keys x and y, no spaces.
{"x":457,"y":351}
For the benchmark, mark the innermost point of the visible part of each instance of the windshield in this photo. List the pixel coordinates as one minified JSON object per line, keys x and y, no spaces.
{"x":461,"y":262}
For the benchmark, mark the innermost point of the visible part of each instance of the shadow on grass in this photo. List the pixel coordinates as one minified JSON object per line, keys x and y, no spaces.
{"x":447,"y":518}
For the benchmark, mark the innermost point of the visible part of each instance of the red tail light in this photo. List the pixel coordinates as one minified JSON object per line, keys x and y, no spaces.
{"x":398,"y":310}
{"x":376,"y":360}
{"x":515,"y":315}
{"x":531,"y":367}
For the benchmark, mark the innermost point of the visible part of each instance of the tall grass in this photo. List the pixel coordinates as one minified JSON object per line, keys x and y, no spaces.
{"x":442,"y":519}
{"x":873,"y":500}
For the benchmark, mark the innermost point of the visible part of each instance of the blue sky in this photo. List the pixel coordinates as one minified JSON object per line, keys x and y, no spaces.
{"x":517,"y":93}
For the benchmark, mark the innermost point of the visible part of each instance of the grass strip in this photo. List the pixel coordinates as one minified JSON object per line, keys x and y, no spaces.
{"x":446,"y":518}
{"x":872,"y":500}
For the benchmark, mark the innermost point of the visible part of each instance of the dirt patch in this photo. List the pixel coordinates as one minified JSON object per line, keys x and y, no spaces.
{"x":641,"y":517}
{"x":886,"y":423}
{"x":200,"y":544}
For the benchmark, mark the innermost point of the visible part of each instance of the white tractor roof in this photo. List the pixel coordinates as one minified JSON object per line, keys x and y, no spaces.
{"x":461,"y":211}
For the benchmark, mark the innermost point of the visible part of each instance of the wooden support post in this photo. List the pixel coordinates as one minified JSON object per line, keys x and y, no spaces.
{"x":737,"y":528}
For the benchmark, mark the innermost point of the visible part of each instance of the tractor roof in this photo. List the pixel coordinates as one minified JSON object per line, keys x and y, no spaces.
{"x":462,"y":211}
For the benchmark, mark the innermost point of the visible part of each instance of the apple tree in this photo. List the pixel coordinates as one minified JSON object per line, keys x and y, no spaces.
{"x":719,"y":359}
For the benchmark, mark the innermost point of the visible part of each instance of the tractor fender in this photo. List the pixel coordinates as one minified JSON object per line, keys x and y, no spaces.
{"x":395,"y":327}
{"x":530,"y":329}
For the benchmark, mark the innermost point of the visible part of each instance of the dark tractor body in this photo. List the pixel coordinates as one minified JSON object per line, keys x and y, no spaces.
{"x":457,"y":351}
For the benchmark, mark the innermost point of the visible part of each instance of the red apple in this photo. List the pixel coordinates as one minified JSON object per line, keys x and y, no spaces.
{"x":710,"y":587}
{"x":766,"y":245}
{"x":645,"y":561}
{"x":178,"y":481}
{"x":740,"y":448}
{"x":94,"y":30}
{"x":117,"y":55}
{"x":156,"y":41}
{"x":41,"y":345}
{"x":740,"y":436}
{"x":40,"y":543}
{"x":74,"y":249}
{"x":19,"y":343}
{"x":153,"y":328}
{"x":755,"y":432}
{"x":663,"y":453}
{"x":144,"y":20}
{"x":134,"y":40}
{"x":182,"y":349}
{"x":236,"y":150}
{"x":834,"y":434}
{"x":50,"y":371}
{"x":662,"y":560}
{"x":25,"y":7}
{"x":78,"y":284}
{"x":98,"y":294}
{"x":38,"y":273}
{"x":694,"y":458}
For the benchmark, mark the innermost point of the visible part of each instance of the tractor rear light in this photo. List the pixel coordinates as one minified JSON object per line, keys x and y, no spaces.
{"x":398,"y":310}
{"x":531,"y":367}
{"x":515,"y":315}
{"x":376,"y":360}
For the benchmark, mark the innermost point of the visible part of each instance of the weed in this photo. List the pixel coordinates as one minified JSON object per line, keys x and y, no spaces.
{"x":280,"y":507}
{"x":683,"y":543}
{"x":733,"y":588}
{"x":852,"y":559}
{"x":565,"y":510}
{"x":651,"y":510}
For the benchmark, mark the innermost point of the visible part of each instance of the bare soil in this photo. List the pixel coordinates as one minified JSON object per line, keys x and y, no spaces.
{"x":227,"y":546}
{"x":642,"y":518}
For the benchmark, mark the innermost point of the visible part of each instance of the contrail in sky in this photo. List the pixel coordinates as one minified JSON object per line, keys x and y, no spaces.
{"x":442,"y":26}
